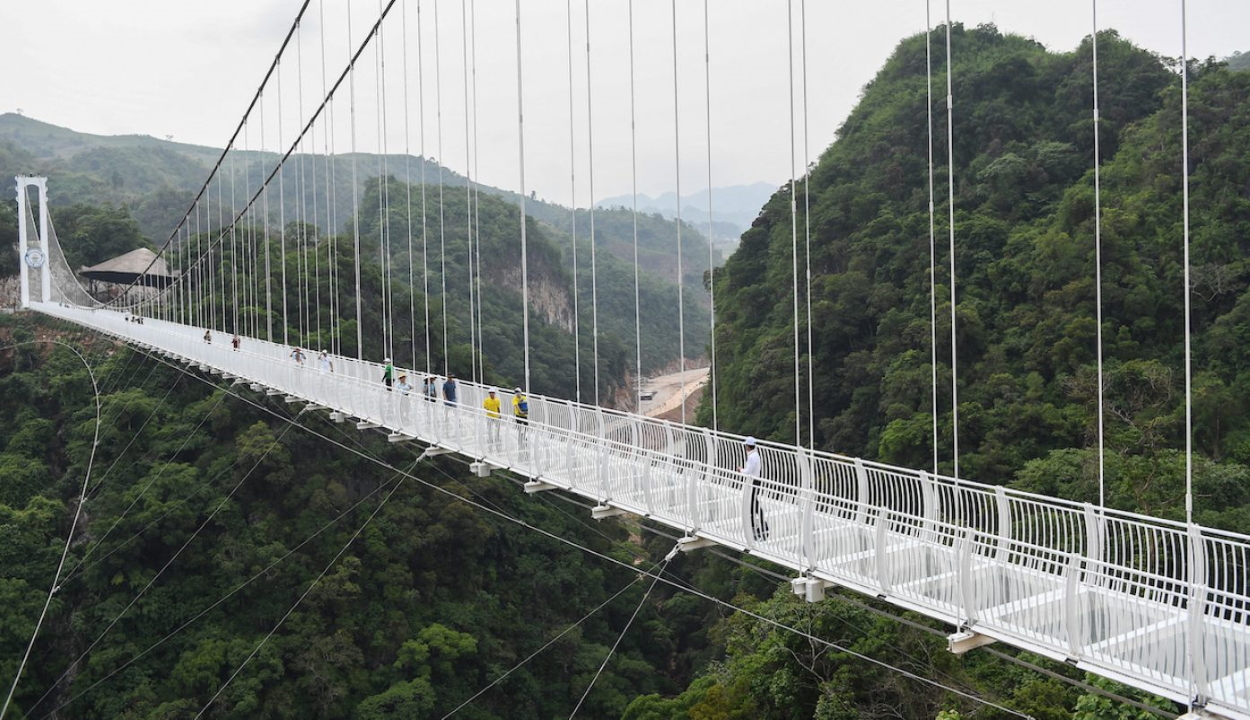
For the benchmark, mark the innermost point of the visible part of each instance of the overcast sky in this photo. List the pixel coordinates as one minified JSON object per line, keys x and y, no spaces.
{"x":188,"y":70}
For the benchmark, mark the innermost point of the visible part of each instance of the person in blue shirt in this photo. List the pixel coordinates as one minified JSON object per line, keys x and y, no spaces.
{"x":449,"y":390}
{"x":403,"y":386}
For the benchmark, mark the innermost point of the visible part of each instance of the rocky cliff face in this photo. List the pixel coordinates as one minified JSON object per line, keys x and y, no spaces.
{"x":550,"y":298}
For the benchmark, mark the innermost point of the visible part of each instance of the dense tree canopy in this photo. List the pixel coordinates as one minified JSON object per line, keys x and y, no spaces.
{"x":1025,"y":276}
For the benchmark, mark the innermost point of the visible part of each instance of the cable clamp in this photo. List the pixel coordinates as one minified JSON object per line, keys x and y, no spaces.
{"x":672,"y":553}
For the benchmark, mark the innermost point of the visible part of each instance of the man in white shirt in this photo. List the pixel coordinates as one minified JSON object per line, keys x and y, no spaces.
{"x":759,"y":526}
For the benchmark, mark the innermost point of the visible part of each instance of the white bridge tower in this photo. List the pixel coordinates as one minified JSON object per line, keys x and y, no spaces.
{"x":33,"y":258}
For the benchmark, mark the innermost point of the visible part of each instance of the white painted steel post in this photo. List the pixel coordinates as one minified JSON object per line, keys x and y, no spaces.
{"x":692,"y":492}
{"x":601,"y":459}
{"x":807,"y":529}
{"x":1071,"y":605}
{"x":967,"y":590}
{"x":45,"y":270}
{"x":1093,"y":544}
{"x":861,"y":492}
{"x":928,"y":493}
{"x":22,"y":242}
{"x":881,"y":550}
{"x":709,"y":476}
{"x":1197,"y":613}
{"x":1004,"y":523}
{"x":569,"y":447}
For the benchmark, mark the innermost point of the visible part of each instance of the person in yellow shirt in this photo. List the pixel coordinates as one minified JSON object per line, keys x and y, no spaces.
{"x":520,"y":413}
{"x":491,"y":405}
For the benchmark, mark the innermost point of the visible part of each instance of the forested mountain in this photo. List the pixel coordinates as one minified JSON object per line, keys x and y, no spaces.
{"x":1024,"y":245}
{"x":157,"y":179}
{"x":214,"y":515}
{"x":99,"y":183}
{"x":437,"y":598}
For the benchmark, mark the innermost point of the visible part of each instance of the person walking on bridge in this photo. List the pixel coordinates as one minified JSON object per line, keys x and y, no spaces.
{"x":388,"y":374}
{"x":759,"y":526}
{"x":521,"y":414}
{"x":493,"y":416}
{"x":449,"y":390}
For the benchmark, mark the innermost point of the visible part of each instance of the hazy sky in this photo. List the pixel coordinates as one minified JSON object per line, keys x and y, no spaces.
{"x":188,"y":70}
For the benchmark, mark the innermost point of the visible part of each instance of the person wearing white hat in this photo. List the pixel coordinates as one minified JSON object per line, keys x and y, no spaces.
{"x":759,"y":526}
{"x":388,"y":374}
{"x":491,"y":405}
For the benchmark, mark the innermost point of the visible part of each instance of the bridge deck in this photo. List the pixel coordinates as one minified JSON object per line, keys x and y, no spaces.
{"x":1114,"y":593}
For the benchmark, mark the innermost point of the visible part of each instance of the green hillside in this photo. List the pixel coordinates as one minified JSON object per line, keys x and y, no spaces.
{"x":157,"y":179}
{"x":100,"y":184}
{"x":415,"y":600}
{"x":438,"y":261}
{"x":1024,"y":238}
{"x":438,"y":597}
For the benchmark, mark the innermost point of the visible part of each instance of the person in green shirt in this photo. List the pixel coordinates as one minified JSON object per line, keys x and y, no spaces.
{"x":388,"y":374}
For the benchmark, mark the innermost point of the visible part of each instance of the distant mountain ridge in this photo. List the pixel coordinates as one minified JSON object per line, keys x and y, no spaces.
{"x":156,"y":180}
{"x":734,"y":208}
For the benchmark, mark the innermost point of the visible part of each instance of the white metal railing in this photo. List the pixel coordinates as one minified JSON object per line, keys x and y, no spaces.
{"x":1107,"y":590}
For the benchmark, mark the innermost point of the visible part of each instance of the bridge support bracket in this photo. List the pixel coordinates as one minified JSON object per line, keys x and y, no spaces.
{"x":809,"y":588}
{"x":693,"y":542}
{"x":256,"y":387}
{"x":366,"y":425}
{"x":290,"y":399}
{"x":480,"y":469}
{"x":272,"y":391}
{"x":602,"y":512}
{"x":338,"y":417}
{"x":965,"y":640}
{"x":400,"y":437}
{"x":537,"y":486}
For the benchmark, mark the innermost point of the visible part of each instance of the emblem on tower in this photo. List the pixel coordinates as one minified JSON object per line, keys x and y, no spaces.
{"x":35,"y":258}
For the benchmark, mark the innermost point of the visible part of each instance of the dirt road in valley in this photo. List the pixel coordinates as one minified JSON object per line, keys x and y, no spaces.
{"x":668,"y":390}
